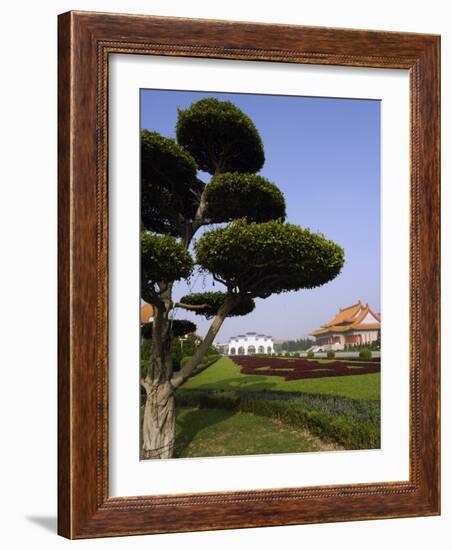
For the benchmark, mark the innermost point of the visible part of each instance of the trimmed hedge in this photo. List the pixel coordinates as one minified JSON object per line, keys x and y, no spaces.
{"x":206,"y":361}
{"x":365,"y":354}
{"x":354,"y":424}
{"x":359,"y":359}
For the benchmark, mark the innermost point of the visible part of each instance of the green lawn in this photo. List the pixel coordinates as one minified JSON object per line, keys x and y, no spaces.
{"x":225,"y":375}
{"x":216,"y":432}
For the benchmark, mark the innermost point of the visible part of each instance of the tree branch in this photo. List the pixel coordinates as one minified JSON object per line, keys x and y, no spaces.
{"x":202,"y":206}
{"x":150,"y":296}
{"x":191,"y":307}
{"x":228,"y":305}
{"x":198,"y":219}
{"x":215,"y":278}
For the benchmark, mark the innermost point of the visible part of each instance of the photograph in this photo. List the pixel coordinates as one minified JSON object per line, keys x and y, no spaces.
{"x":260,"y":307}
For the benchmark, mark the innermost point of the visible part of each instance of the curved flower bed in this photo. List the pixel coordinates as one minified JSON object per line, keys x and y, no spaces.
{"x":297,"y":369}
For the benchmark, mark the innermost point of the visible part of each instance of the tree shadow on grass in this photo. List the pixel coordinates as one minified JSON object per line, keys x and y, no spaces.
{"x":192,"y":422}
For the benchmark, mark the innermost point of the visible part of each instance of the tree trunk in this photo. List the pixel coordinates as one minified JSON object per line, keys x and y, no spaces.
{"x":159,"y":422}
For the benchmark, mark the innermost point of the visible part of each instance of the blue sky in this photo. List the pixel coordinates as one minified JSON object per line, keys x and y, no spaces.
{"x":324,"y":155}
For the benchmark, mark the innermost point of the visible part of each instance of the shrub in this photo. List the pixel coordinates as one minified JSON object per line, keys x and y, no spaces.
{"x":310,"y":355}
{"x":376,"y":360}
{"x":365,"y":354}
{"x":330,"y":354}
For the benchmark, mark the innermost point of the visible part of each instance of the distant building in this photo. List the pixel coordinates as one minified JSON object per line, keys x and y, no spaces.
{"x":221,"y":348}
{"x":353,"y":325}
{"x":250,"y":343}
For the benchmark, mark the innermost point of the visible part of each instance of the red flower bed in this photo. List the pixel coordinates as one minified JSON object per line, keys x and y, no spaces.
{"x":297,"y":369}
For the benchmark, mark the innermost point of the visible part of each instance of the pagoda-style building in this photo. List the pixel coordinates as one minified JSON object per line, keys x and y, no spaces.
{"x":353,"y":325}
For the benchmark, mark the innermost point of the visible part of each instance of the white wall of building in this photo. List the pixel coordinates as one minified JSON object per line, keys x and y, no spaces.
{"x":250,"y":343}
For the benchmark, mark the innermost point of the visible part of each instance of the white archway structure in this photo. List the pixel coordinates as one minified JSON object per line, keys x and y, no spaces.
{"x":249,"y":344}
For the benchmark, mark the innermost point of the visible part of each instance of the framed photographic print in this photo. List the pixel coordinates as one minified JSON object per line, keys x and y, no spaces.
{"x":248,"y":275}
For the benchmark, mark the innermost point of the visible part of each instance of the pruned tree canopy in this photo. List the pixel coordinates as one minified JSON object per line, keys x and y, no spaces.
{"x":163,"y":259}
{"x":220,"y":137}
{"x":268,"y":258}
{"x":208,"y":304}
{"x":230,"y":196}
{"x":170,"y":188}
{"x":179,"y":327}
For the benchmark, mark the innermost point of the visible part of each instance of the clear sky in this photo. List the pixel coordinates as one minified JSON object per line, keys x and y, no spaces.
{"x":324,"y":155}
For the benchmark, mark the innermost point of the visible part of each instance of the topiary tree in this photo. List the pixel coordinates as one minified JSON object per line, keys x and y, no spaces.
{"x":255,"y":255}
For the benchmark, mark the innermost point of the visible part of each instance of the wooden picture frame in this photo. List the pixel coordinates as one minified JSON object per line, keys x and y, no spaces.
{"x":86,"y":40}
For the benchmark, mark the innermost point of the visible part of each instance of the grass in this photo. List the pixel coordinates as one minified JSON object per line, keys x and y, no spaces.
{"x":217,"y":432}
{"x":351,"y":423}
{"x":224,"y":374}
{"x":221,"y":412}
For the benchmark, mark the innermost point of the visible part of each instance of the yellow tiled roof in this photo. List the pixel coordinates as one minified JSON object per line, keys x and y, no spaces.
{"x":147,"y":311}
{"x":345,"y":315}
{"x":349,"y":318}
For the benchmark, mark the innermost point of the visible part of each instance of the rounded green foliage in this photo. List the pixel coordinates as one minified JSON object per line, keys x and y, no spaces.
{"x":231,"y":196}
{"x":157,"y":211}
{"x":267,"y":258}
{"x":163,"y":212}
{"x":165,"y":162}
{"x":179,"y":327}
{"x":365,"y":354}
{"x":213,"y":301}
{"x":170,"y":189}
{"x":182,"y":327}
{"x":220,"y":137}
{"x":163,"y":259}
